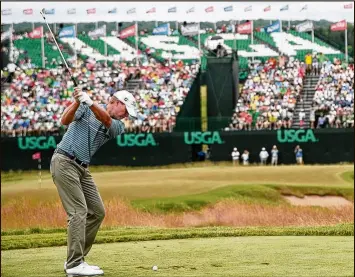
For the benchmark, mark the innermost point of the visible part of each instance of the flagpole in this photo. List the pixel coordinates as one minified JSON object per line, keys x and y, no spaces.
{"x":215,"y":26}
{"x":346,"y":44}
{"x":281,"y":26}
{"x":42,"y":45}
{"x":312,"y":35}
{"x":289,"y":24}
{"x":40,"y":173}
{"x":54,"y":28}
{"x":105,"y":41}
{"x":177,"y":26}
{"x":156,"y":23}
{"x":97,"y":24}
{"x":137,"y":62}
{"x":11,"y":56}
{"x":33,"y":26}
{"x":252,"y":36}
{"x":199,"y":42}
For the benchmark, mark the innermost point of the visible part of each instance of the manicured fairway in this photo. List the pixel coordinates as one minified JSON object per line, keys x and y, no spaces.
{"x":234,"y":256}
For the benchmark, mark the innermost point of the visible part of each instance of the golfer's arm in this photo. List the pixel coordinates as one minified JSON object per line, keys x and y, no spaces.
{"x":69,"y":113}
{"x":101,"y":115}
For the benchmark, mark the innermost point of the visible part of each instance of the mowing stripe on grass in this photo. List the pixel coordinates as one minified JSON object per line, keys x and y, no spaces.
{"x":47,"y":239}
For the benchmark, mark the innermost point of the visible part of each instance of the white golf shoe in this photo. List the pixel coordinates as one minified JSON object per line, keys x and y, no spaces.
{"x":86,"y":264}
{"x":83,"y":270}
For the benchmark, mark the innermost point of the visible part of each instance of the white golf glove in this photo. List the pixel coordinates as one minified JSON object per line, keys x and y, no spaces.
{"x":85,"y":99}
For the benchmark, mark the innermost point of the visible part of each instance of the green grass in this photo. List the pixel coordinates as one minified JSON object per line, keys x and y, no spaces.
{"x":348,"y":176}
{"x":251,"y":194}
{"x":25,"y":239}
{"x":218,"y":257}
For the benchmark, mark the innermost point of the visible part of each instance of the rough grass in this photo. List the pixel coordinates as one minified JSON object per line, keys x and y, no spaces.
{"x":189,"y":197}
{"x":34,"y":238}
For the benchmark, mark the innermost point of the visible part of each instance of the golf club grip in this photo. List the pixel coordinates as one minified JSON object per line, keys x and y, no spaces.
{"x":75,"y":83}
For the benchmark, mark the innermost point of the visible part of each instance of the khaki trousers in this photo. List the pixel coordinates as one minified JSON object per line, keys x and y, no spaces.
{"x":82,"y":203}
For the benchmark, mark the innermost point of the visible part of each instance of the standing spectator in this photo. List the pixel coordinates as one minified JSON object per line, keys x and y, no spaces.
{"x":301,"y":116}
{"x":315,"y":65}
{"x":312,"y":117}
{"x":245,"y":157}
{"x":308,"y":61}
{"x":299,"y":155}
{"x":235,"y":156}
{"x":274,"y":155}
{"x":263,"y":156}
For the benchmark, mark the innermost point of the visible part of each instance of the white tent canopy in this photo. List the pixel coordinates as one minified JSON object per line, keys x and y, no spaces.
{"x":331,"y":11}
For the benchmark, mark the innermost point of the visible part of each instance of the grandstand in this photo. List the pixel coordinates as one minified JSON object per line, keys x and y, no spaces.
{"x":172,"y":53}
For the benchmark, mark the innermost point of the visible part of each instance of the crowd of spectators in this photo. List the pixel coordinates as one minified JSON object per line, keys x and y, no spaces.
{"x":268,"y":98}
{"x":33,"y":101}
{"x":333,"y":102}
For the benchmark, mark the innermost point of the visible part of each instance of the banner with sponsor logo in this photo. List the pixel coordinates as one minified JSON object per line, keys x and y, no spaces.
{"x":28,"y":11}
{"x":67,"y":32}
{"x":191,"y":10}
{"x":284,"y":8}
{"x":128,"y":32}
{"x":163,"y":29}
{"x":339,"y":26}
{"x":274,"y":27}
{"x":49,"y":11}
{"x":6,"y":12}
{"x":245,"y":28}
{"x":99,"y":32}
{"x":130,"y":11}
{"x":36,"y":33}
{"x":152,"y":10}
{"x":248,"y":9}
{"x":306,"y":26}
{"x":191,"y":29}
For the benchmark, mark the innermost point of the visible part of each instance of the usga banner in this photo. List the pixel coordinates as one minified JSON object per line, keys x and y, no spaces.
{"x":99,"y":32}
{"x":244,"y":28}
{"x":339,"y":26}
{"x":305,"y":26}
{"x":36,"y":33}
{"x":190,"y":29}
{"x":163,"y":29}
{"x":67,"y":32}
{"x":128,"y":32}
{"x":274,"y":27}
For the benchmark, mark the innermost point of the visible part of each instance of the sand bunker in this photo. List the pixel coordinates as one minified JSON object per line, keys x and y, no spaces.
{"x":323,"y":201}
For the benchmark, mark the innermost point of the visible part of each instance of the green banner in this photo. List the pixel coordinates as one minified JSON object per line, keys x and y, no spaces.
{"x":289,"y":136}
{"x":36,"y":143}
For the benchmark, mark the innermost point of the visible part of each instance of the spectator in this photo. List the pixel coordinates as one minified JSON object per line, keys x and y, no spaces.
{"x":245,"y":157}
{"x":301,"y":117}
{"x":235,"y":156}
{"x":274,"y":155}
{"x":299,"y":155}
{"x":268,"y":97}
{"x":312,"y":117}
{"x":308,"y":61}
{"x":263,"y":155}
{"x":315,"y":64}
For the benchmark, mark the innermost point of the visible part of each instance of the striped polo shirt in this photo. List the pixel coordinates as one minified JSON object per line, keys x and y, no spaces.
{"x":86,"y":133}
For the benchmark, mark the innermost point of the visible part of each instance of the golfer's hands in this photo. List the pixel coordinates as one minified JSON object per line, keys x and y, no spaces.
{"x":77,"y":93}
{"x":85,"y":99}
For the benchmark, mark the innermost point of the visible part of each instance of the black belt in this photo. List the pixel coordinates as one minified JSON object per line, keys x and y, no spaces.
{"x":59,"y":151}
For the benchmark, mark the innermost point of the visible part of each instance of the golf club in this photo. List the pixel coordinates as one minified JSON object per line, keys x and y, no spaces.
{"x":55,"y":41}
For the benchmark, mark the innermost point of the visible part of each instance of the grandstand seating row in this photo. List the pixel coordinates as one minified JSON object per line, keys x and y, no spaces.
{"x":179,"y":47}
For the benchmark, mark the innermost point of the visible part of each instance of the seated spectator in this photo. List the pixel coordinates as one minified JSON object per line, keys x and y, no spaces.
{"x":268,"y":97}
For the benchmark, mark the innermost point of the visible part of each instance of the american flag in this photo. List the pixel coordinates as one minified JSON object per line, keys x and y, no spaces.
{"x":305,"y":7}
{"x":209,"y":9}
{"x":248,"y":9}
{"x":267,"y":9}
{"x":348,"y":6}
{"x":191,"y":10}
{"x":28,"y":11}
{"x":91,"y":11}
{"x":284,"y":8}
{"x":133,"y":10}
{"x":152,"y":10}
{"x":172,"y":10}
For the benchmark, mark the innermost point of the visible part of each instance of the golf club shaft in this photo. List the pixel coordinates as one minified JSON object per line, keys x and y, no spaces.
{"x":55,"y":41}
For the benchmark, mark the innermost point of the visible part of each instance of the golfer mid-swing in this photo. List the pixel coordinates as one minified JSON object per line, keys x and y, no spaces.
{"x":90,"y":126}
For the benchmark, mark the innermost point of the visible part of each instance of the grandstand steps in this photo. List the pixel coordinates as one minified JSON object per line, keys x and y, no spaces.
{"x":204,"y":49}
{"x":133,"y":85}
{"x":309,"y":85}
